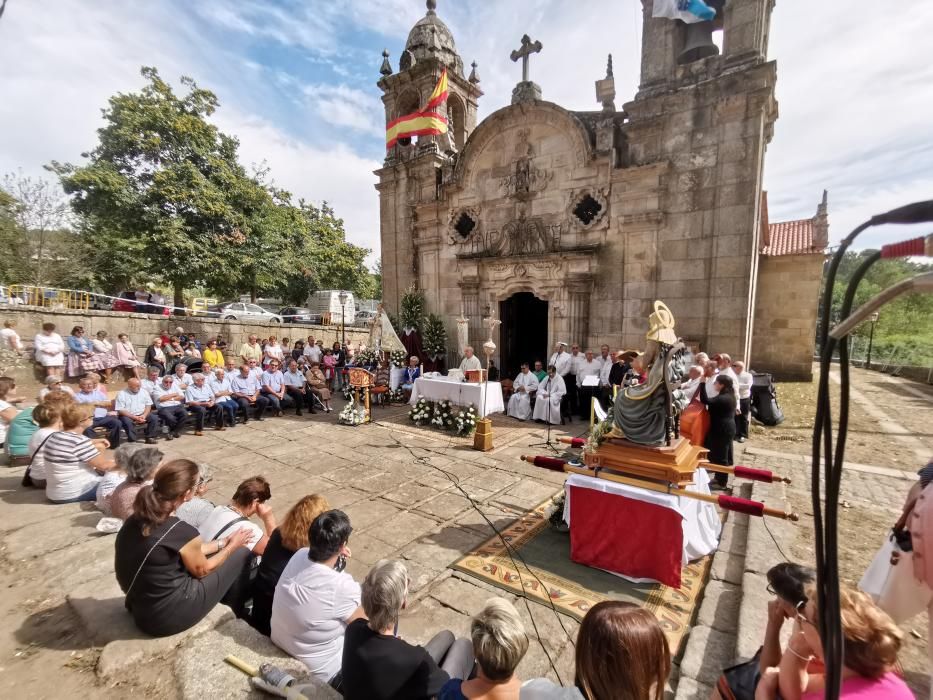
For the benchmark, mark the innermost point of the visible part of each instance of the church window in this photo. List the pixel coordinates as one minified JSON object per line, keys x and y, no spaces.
{"x":587,"y":209}
{"x":464,"y":225}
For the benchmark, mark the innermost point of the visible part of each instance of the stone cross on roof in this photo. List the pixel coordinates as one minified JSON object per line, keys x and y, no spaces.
{"x":528,"y":47}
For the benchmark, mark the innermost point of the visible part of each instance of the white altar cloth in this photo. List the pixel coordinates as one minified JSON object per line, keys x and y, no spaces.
{"x":486,"y":397}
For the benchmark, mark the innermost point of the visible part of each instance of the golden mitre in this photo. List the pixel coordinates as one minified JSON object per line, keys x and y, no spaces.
{"x":661,"y":325}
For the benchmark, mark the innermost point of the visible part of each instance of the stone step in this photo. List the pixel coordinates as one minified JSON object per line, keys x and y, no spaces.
{"x":200,"y":670}
{"x":99,"y":606}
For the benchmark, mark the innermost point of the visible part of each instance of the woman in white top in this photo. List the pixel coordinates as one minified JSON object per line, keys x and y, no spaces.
{"x":10,"y":337}
{"x":103,"y":355}
{"x":7,"y":411}
{"x":50,"y":350}
{"x":73,"y":462}
{"x":272,"y":351}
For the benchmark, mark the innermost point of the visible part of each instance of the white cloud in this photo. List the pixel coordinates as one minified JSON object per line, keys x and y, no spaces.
{"x":345,"y":106}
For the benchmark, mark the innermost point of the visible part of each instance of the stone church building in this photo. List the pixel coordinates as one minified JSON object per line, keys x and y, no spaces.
{"x":567,"y":225}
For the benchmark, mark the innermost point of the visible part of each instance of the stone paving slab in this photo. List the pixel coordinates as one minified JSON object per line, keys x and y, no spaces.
{"x":201,"y":672}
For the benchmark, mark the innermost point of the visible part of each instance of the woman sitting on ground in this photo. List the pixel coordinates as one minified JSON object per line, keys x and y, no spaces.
{"x":47,"y":416}
{"x":871,"y":642}
{"x":248,"y":500}
{"x":115,"y":477}
{"x":284,"y":541}
{"x":317,"y":383}
{"x":74,"y":463}
{"x":162,"y":563}
{"x":7,"y":411}
{"x":621,"y":654}
{"x":499,"y":643}
{"x":196,"y":511}
{"x":316,"y":599}
{"x":141,"y":464}
{"x":379,"y":665}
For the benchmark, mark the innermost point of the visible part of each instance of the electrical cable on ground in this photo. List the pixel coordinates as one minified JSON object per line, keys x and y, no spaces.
{"x":426,"y":461}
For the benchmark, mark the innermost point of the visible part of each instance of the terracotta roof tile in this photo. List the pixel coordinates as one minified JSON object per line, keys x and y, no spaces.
{"x":791,"y":238}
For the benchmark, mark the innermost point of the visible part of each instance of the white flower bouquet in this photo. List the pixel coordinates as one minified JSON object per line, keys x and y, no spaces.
{"x":399,"y":358}
{"x":352,"y":415}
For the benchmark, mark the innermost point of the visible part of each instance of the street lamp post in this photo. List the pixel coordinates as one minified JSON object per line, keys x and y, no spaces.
{"x":871,"y":337}
{"x":343,"y":318}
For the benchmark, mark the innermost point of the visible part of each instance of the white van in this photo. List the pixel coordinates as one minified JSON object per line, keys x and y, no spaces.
{"x":327,"y":303}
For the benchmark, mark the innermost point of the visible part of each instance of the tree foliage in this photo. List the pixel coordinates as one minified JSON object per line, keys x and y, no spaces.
{"x":906,"y":324}
{"x":163,"y":195}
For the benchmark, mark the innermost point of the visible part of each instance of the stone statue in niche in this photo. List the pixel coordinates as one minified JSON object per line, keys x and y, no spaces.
{"x":525,"y":180}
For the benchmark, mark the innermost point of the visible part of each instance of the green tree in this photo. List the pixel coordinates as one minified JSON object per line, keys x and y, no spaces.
{"x":13,"y":266}
{"x":165,"y":176}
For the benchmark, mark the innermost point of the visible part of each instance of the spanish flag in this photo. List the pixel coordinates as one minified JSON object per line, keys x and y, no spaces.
{"x":425,"y":121}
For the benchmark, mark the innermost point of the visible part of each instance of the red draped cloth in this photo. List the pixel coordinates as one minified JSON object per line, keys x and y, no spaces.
{"x":626,"y":536}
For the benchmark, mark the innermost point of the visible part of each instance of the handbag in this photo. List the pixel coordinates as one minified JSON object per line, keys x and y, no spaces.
{"x":739,"y":682}
{"x":890,"y":582}
{"x":27,"y":479}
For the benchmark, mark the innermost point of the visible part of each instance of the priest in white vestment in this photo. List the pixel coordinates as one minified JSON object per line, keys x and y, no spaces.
{"x":520,"y":401}
{"x":548,"y":398}
{"x":469,"y":361}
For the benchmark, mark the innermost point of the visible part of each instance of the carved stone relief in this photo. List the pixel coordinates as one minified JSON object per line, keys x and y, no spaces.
{"x":587,"y":208}
{"x":521,"y":236}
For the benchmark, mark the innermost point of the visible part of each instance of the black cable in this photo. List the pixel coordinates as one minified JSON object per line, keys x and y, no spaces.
{"x":508,"y":547}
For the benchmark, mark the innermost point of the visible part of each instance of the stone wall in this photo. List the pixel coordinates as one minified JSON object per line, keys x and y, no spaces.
{"x":785,"y":315}
{"x":141,"y":328}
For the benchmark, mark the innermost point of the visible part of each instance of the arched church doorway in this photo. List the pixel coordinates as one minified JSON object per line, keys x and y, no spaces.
{"x":523,"y":333}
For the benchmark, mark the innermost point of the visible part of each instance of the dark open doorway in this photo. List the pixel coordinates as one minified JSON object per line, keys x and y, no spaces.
{"x":523,"y":332}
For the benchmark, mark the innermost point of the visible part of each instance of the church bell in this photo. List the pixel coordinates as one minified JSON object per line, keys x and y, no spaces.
{"x":698,"y":37}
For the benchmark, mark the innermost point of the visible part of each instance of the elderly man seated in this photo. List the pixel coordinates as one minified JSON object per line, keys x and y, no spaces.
{"x":245,"y":388}
{"x":104,"y":417}
{"x":223,"y":397}
{"x":273,"y":387}
{"x":181,"y":380}
{"x":170,"y":405}
{"x":294,"y":382}
{"x":134,"y":410}
{"x":524,"y":386}
{"x":379,"y":664}
{"x":199,"y":397}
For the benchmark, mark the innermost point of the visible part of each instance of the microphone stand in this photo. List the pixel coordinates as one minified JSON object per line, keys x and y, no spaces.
{"x":547,"y":441}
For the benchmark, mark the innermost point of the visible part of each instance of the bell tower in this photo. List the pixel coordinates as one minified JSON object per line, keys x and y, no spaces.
{"x":414,"y":168}
{"x":703,"y":119}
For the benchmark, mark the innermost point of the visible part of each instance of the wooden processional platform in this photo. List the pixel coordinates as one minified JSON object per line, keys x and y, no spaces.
{"x":675,"y":464}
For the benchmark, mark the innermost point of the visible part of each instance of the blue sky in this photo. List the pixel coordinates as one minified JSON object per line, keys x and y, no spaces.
{"x":297,"y":85}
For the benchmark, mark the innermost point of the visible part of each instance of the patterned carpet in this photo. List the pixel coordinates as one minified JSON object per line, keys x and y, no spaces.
{"x":548,"y":572}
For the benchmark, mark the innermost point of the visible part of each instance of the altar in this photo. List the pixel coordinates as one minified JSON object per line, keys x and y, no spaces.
{"x":486,"y":397}
{"x":639,"y":534}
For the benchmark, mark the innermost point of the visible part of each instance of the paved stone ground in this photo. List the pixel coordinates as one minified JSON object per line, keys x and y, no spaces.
{"x":62,"y":632}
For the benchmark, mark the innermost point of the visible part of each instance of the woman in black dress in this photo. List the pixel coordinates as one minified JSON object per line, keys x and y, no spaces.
{"x":721,"y":424}
{"x":162,"y":563}
{"x":284,"y":541}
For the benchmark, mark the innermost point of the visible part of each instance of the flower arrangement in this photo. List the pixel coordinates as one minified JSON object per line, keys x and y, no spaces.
{"x":347,"y":390}
{"x":352,"y":415}
{"x":366,"y":357}
{"x":443,"y":415}
{"x":434,"y":337}
{"x":411,"y":314}
{"x":399,"y":358}
{"x":396,"y":395}
{"x":555,"y":513}
{"x":420,"y":413}
{"x":465,"y":421}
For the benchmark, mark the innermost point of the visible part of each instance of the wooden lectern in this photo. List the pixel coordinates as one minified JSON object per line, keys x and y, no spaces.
{"x":361,"y":380}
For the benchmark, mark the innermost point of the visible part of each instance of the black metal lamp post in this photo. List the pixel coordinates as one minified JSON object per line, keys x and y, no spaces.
{"x":343,"y":317}
{"x":871,"y":337}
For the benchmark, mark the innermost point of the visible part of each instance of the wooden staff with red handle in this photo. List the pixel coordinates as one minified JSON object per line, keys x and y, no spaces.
{"x":739,"y":471}
{"x":733,"y":503}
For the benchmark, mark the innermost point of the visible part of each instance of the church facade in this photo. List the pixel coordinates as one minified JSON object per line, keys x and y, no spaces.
{"x":567,"y":225}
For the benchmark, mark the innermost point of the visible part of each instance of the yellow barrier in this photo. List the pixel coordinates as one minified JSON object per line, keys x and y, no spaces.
{"x":51,"y":297}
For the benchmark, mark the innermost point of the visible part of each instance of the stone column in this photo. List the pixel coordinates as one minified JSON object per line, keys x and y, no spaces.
{"x":579,"y":292}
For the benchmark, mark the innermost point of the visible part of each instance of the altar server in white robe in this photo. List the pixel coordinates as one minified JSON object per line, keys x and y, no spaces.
{"x":548,"y":398}
{"x":520,"y":401}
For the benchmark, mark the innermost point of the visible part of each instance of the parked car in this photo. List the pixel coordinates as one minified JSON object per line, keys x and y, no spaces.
{"x":364,"y":318}
{"x":141,"y":303}
{"x":299,"y":314}
{"x":237,"y":310}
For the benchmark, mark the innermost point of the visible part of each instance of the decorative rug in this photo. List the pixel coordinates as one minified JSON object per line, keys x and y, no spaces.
{"x":548,"y":572}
